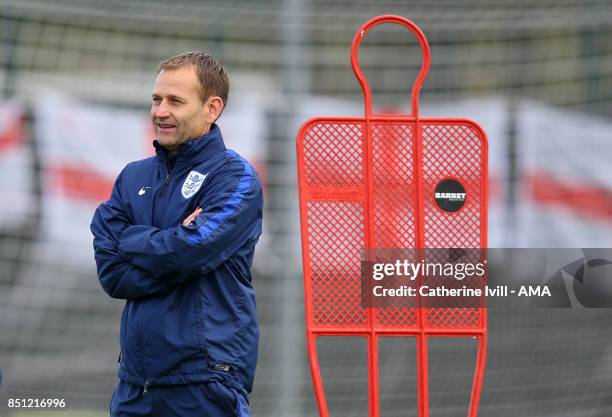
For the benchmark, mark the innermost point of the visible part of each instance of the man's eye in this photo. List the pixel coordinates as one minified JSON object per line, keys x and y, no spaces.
{"x":176,"y":101}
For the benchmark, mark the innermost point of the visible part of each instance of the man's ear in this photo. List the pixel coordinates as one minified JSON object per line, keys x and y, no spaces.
{"x":214,"y":106}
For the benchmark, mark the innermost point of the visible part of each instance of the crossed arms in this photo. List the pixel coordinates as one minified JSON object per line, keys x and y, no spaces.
{"x":135,"y":261}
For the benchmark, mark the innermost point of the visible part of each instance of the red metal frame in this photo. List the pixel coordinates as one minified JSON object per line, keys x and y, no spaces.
{"x":365,"y":182}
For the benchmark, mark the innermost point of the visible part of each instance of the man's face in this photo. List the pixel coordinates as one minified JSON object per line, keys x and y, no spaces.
{"x":177,"y":111}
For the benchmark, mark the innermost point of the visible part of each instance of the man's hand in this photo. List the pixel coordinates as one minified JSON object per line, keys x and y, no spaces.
{"x":192,"y":217}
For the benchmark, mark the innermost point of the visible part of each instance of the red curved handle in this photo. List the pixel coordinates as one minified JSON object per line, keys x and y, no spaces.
{"x":416,"y":86}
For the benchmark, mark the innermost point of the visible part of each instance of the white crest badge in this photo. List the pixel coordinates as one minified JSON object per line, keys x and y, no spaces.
{"x":192,"y":183}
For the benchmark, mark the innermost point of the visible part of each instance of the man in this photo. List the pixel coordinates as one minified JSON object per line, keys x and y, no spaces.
{"x":176,"y":240}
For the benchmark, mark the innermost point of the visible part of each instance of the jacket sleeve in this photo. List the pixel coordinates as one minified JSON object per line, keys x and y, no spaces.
{"x":118,"y":277}
{"x":232,"y":206}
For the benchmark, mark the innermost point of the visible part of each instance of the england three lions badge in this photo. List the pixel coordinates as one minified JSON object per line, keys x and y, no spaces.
{"x":192,"y":183}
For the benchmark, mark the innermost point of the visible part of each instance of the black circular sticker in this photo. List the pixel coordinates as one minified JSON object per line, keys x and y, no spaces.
{"x":450,"y":195}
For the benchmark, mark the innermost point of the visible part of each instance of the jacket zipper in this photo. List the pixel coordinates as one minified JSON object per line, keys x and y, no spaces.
{"x":141,"y":340}
{"x":145,"y":389}
{"x":166,"y":181}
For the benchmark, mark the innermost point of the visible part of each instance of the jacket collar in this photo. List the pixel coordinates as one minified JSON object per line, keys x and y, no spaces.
{"x":196,"y":150}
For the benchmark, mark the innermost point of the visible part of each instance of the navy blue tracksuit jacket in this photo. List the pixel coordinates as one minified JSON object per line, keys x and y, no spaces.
{"x":190,"y":311}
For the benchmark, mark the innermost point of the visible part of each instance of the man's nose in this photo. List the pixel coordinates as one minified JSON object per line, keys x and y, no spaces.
{"x":161,"y":110}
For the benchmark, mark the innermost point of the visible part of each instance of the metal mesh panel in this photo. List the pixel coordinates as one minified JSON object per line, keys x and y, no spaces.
{"x":452,"y":151}
{"x":333,"y":155}
{"x":393,"y":203}
{"x":333,"y":160}
{"x":392,"y":171}
{"x":453,"y":318}
{"x":452,"y":312}
{"x":336,"y":232}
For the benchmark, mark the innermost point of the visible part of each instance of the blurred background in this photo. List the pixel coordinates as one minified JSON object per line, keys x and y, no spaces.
{"x":75,"y":84}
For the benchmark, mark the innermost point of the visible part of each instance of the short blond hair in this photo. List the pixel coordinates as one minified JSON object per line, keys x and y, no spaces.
{"x":211,"y":74}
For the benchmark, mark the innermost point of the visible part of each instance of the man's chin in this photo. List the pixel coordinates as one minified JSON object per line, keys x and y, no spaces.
{"x":170,"y":144}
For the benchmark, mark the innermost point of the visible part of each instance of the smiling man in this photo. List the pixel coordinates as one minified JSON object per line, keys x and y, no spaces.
{"x":184,"y":107}
{"x":176,"y":240}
